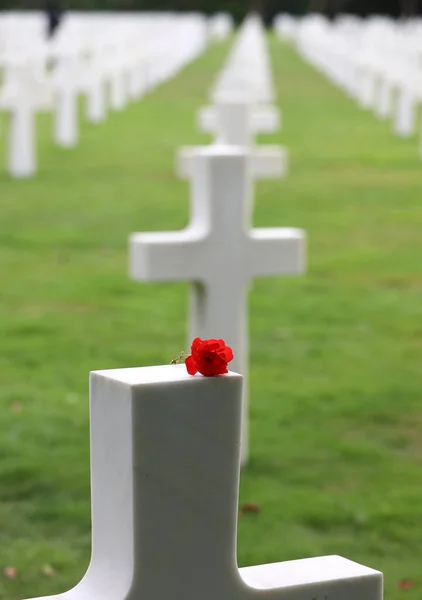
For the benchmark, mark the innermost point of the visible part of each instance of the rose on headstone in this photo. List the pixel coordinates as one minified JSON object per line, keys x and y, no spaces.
{"x":209,"y":357}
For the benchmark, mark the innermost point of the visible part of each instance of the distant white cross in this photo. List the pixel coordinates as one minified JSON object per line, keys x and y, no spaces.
{"x":236,"y":122}
{"x":95,"y":89}
{"x":406,"y":112}
{"x":164,"y":490}
{"x":384,"y":99}
{"x":67,"y":87}
{"x":218,"y":252}
{"x":23,"y":94}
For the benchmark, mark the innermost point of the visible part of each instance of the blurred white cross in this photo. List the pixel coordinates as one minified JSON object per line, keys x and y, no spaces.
{"x":219,"y":252}
{"x":164,"y":489}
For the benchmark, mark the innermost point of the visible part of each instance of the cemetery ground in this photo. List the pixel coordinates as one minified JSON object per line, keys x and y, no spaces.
{"x":336,"y":374}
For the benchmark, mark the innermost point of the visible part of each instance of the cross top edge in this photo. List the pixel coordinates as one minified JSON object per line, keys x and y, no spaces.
{"x":157,"y":374}
{"x":221,"y":150}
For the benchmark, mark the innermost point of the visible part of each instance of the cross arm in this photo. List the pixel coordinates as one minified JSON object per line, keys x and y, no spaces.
{"x":322,"y":578}
{"x":270,"y":162}
{"x":258,"y":95}
{"x":164,"y":256}
{"x":265,"y":119}
{"x":266,"y":162}
{"x":276,"y":251}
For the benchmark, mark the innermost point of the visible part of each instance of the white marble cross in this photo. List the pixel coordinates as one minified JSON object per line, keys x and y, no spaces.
{"x":67,"y":87}
{"x":24,"y":93}
{"x":384,"y":101}
{"x":118,"y":88}
{"x":164,"y":489}
{"x":235,"y":122}
{"x":406,"y":113}
{"x":218,"y":252}
{"x":95,"y":89}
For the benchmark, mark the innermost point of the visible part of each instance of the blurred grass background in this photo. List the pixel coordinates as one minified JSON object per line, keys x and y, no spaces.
{"x":336,"y":376}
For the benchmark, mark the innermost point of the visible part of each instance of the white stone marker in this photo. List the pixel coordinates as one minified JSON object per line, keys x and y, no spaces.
{"x":405,"y":118}
{"x":118,"y":89}
{"x":367,"y":93}
{"x":95,"y":103}
{"x":219,"y":253}
{"x":235,"y":122}
{"x":21,"y":152}
{"x":384,"y":103}
{"x":66,"y":127}
{"x":95,"y":89}
{"x":66,"y":122}
{"x":164,"y":489}
{"x":21,"y":98}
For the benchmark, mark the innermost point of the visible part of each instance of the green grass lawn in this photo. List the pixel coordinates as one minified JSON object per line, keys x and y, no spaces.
{"x":336,"y":377}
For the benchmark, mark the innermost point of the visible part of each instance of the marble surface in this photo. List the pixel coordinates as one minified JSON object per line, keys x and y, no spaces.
{"x":165,"y":451}
{"x":265,"y":162}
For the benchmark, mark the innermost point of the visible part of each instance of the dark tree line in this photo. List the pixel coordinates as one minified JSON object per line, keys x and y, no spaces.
{"x":238,"y":8}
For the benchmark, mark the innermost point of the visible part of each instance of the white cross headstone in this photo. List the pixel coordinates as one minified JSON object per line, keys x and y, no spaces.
{"x":23,"y":94}
{"x":235,"y":122}
{"x":246,"y":74}
{"x":367,"y":89}
{"x":384,"y":103}
{"x":405,"y":118}
{"x":95,"y":105}
{"x":117,"y":75}
{"x":164,"y":489}
{"x":218,"y":252}
{"x":21,"y":148}
{"x":66,"y":122}
{"x":118,"y":89}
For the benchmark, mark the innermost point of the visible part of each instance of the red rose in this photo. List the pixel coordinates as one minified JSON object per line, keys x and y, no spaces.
{"x":209,"y":357}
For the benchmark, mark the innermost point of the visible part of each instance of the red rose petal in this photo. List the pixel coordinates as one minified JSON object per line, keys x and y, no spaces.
{"x":191,"y":367}
{"x":228,"y":354}
{"x":195,"y":348}
{"x":211,"y":364}
{"x":210,"y":345}
{"x":196,"y":343}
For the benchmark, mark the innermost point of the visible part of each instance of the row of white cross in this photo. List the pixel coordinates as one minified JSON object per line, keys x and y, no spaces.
{"x":219,"y":252}
{"x":249,"y":78}
{"x":111,"y":60}
{"x":378,"y":62}
{"x":165,"y":446}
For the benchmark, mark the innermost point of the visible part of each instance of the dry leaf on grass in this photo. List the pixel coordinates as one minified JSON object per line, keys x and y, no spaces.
{"x":250,"y":507}
{"x":405,"y":584}
{"x":10,"y":572}
{"x":48,"y":571}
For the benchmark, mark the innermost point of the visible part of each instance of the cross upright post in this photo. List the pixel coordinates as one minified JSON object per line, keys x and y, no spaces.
{"x":405,"y":116}
{"x":95,"y":105}
{"x":164,"y":497}
{"x":66,"y":122}
{"x":218,"y":252}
